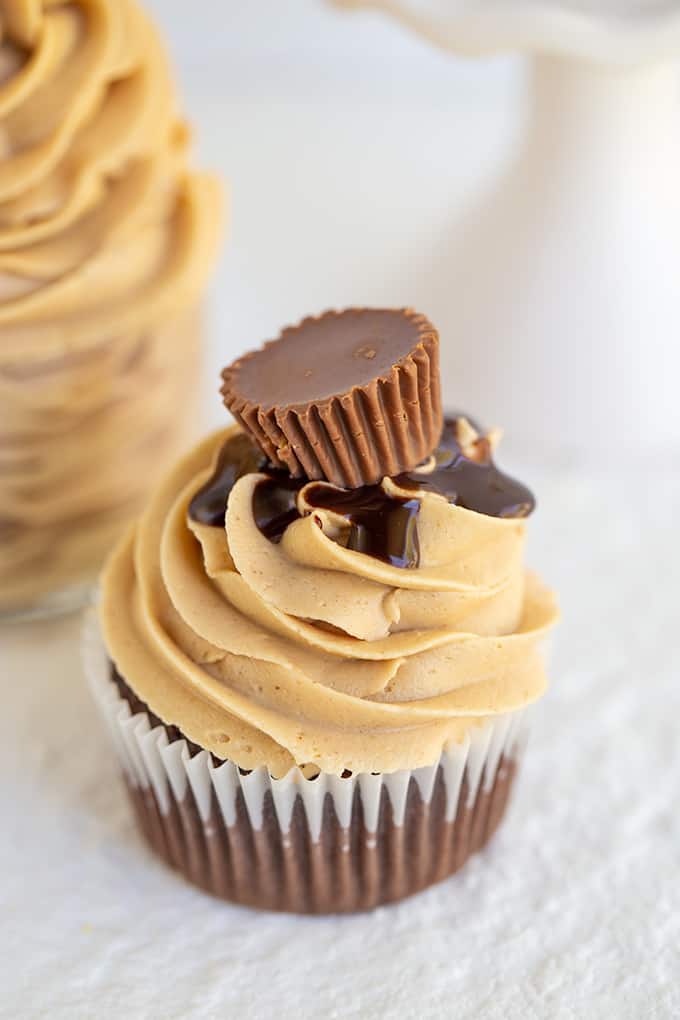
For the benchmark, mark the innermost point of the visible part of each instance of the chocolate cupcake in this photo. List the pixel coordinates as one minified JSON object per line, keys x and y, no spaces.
{"x":318,"y":694}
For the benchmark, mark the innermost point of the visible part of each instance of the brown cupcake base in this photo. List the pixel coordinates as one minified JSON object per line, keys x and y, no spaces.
{"x":346,"y":870}
{"x":306,"y":846}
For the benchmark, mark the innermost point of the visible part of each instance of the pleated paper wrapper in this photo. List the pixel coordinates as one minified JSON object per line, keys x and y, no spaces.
{"x":322,"y":845}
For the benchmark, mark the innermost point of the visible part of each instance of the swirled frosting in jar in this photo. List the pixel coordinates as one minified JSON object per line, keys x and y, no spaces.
{"x":260,"y":625}
{"x":106,"y":240}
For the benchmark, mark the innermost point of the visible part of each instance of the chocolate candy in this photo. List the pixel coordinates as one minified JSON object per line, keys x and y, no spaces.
{"x":350,"y":397}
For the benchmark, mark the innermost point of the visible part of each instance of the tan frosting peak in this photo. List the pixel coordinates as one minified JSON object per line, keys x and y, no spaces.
{"x":305,"y":652}
{"x":98,"y":214}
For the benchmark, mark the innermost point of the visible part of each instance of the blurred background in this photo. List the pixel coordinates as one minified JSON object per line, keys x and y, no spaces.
{"x":529,"y":208}
{"x":349,"y":146}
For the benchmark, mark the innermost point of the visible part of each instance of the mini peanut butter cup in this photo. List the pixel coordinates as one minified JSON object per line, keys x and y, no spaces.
{"x":350,"y":396}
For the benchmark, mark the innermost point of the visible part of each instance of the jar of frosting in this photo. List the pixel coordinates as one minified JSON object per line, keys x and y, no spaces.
{"x":106,"y":243}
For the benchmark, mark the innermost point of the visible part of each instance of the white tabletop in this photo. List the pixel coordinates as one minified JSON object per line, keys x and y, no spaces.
{"x":574,"y":911}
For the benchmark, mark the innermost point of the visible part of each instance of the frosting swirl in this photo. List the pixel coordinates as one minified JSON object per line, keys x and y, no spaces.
{"x":305,"y":651}
{"x":106,"y":240}
{"x":98,"y":216}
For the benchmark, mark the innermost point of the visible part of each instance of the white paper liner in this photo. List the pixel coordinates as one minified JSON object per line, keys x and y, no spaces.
{"x":150,"y":759}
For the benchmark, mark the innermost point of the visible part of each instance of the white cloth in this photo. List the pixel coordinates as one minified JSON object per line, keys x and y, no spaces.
{"x":573,"y":912}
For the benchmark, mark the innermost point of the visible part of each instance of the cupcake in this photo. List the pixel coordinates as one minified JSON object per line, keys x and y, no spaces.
{"x":106,"y":243}
{"x":318,"y":691}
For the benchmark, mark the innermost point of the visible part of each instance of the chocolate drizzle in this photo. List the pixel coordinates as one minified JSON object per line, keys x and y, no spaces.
{"x":238,"y":457}
{"x":275,"y":503}
{"x":378,"y":524}
{"x":474,"y":484}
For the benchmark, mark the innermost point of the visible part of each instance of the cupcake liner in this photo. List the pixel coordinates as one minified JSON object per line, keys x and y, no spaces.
{"x":378,"y":429}
{"x":322,"y":845}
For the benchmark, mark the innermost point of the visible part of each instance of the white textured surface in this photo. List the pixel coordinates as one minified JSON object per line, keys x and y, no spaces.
{"x":574,"y":912}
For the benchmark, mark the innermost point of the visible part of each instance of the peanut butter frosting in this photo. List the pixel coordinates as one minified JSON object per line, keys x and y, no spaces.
{"x":305,"y":651}
{"x":106,"y":241}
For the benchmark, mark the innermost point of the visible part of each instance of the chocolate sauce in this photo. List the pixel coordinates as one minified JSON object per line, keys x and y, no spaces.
{"x":379,"y":525}
{"x":275,"y":503}
{"x":238,"y":457}
{"x":473,"y":484}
